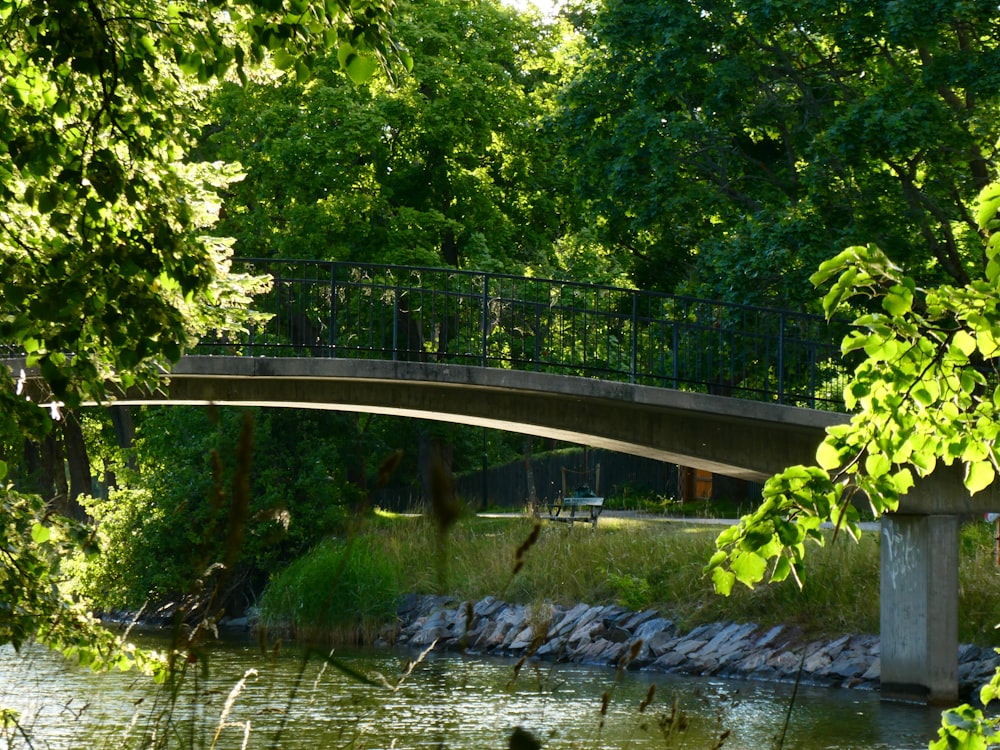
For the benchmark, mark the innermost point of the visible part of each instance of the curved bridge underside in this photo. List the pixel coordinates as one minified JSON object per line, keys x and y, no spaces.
{"x":744,"y":439}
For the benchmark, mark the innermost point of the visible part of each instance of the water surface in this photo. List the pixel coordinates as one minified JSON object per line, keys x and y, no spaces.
{"x":294,"y":702}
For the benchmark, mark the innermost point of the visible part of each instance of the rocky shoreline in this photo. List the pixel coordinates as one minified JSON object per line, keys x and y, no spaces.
{"x":614,"y":636}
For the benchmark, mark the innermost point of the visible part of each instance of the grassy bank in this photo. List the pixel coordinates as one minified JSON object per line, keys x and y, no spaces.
{"x":640,"y":564}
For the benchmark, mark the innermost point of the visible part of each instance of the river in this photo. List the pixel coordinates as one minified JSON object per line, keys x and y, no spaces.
{"x":449,"y":701}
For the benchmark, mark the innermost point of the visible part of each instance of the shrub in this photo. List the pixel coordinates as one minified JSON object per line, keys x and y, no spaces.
{"x":340,"y":591}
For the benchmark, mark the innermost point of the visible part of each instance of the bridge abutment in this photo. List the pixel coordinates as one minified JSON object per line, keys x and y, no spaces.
{"x":919,"y":607}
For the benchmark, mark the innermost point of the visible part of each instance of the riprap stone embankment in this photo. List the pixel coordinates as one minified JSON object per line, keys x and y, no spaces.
{"x":614,"y":636}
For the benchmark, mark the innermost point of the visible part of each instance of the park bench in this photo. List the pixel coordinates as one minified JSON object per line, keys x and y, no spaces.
{"x":581,"y":505}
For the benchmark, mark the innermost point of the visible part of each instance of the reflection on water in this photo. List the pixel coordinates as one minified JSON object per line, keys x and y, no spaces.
{"x":446,"y":702}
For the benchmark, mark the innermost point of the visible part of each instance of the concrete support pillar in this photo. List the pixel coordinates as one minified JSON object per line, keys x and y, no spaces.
{"x":919,"y":608}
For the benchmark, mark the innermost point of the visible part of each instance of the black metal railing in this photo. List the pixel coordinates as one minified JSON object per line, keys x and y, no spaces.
{"x":329,"y":309}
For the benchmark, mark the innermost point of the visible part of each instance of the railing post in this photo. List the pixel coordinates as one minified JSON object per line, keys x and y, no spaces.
{"x":395,"y":322}
{"x":250,"y":328}
{"x":781,"y":358}
{"x":332,"y":339}
{"x":538,"y":336}
{"x":674,"y":343}
{"x":486,"y":300}
{"x":633,"y":365}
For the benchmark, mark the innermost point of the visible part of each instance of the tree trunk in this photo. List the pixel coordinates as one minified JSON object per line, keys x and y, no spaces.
{"x":124,"y":426}
{"x":80,"y":477}
{"x":435,"y":456}
{"x":529,"y":476}
{"x":54,"y":473}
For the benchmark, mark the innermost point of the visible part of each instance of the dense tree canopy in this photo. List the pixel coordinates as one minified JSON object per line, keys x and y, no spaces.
{"x":102,"y":219}
{"x":732,"y":146}
{"x":441,"y":167}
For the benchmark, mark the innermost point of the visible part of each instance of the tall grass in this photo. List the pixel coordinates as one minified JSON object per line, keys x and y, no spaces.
{"x":343,"y":591}
{"x":639,"y":564}
{"x":978,"y":585}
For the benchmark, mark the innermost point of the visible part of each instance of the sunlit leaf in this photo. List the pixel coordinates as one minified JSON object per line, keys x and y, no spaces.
{"x":723,"y":581}
{"x":979,"y":476}
{"x":898,"y":300}
{"x":40,"y":533}
{"x":748,"y":567}
{"x":828,"y":456}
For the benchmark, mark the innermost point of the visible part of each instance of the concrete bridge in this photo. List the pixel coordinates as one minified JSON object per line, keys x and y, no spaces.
{"x":636,"y":372}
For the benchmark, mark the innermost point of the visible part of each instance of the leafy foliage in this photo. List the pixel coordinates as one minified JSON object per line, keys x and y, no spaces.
{"x":34,"y":600}
{"x":926,"y":393}
{"x":107,"y":268}
{"x":442,"y":167}
{"x":156,"y":531}
{"x":727,"y":148}
{"x":102,"y":228}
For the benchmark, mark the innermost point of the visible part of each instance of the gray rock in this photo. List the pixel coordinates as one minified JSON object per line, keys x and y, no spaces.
{"x":613,"y":636}
{"x":585,"y":625}
{"x":660,"y":643}
{"x":522,"y":640}
{"x":496,"y":637}
{"x":688,"y":646}
{"x":618,"y":634}
{"x":785,"y":662}
{"x":728,"y":643}
{"x":600,"y":651}
{"x":612,"y":614}
{"x":552,"y":647}
{"x":833,"y":649}
{"x":752,"y":662}
{"x":567,"y":621}
{"x":874,"y":670}
{"x":816,"y":663}
{"x":657,"y":626}
{"x":847,"y":667}
{"x":707,"y":632}
{"x":488,"y":606}
{"x":638,"y":619}
{"x":967,"y":653}
{"x":669,"y":661}
{"x":769,"y":637}
{"x":427,"y":636}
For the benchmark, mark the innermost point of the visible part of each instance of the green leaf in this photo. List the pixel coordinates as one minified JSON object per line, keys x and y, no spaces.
{"x":877,"y":464}
{"x":723,"y":581}
{"x":898,"y":300}
{"x":834,"y":265}
{"x":360,"y":68}
{"x":40,"y":534}
{"x":827,"y":456}
{"x":989,"y":204}
{"x":781,"y":569}
{"x":964,"y":342}
{"x":986,"y":340}
{"x":903,"y":480}
{"x":749,"y":567}
{"x":283,"y":60}
{"x":979,"y":476}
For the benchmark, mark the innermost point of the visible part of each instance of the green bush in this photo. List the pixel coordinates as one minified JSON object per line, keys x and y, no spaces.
{"x":341,"y":591}
{"x":631,"y":591}
{"x":134,"y":559}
